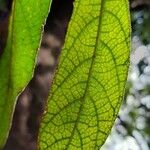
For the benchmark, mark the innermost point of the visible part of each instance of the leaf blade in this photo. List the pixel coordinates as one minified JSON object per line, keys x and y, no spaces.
{"x":90,"y":80}
{"x":18,"y":60}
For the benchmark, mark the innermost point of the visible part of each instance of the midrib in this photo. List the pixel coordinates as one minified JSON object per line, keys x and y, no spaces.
{"x":89,"y":74}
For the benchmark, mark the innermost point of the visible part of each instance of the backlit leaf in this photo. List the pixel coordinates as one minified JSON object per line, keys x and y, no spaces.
{"x":90,"y":80}
{"x":18,"y":59}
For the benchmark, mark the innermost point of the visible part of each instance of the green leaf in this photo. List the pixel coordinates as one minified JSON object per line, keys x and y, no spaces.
{"x":18,"y":60}
{"x":90,"y":80}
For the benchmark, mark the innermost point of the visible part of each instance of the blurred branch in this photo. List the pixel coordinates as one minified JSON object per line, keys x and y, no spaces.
{"x":137,"y":3}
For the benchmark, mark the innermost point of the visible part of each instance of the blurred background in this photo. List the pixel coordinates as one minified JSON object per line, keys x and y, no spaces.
{"x":132,"y":127}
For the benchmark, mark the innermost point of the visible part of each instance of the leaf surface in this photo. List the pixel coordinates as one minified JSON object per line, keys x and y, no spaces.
{"x":18,"y":59}
{"x":90,"y":80}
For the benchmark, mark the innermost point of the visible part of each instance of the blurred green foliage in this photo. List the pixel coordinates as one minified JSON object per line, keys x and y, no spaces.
{"x":2,"y":4}
{"x":141,"y":24}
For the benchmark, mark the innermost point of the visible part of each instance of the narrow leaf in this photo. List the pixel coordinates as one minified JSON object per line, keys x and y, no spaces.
{"x":18,"y":59}
{"x":89,"y":84}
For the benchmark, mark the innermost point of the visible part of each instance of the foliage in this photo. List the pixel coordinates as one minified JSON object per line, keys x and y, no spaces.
{"x":88,"y":87}
{"x":131,"y":129}
{"x":89,"y":83}
{"x":141,"y":22}
{"x":18,"y":59}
